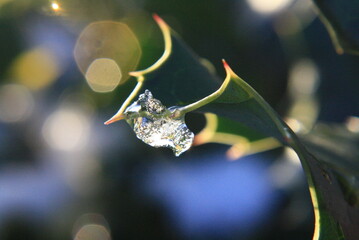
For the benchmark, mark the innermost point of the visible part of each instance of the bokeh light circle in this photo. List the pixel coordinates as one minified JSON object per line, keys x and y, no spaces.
{"x":16,"y":103}
{"x":109,"y":40}
{"x":103,"y":75}
{"x":66,"y":129}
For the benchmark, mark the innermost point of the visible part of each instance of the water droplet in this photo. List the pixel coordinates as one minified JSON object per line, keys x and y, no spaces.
{"x":152,"y":123}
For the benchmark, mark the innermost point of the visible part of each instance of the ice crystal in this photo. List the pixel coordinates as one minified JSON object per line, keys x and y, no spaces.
{"x":153,"y":124}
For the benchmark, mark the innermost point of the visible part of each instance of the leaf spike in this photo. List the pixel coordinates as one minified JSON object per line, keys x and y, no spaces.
{"x":166,"y":32}
{"x":228,"y":69}
{"x":115,"y":118}
{"x":158,"y":19}
{"x":225,"y":64}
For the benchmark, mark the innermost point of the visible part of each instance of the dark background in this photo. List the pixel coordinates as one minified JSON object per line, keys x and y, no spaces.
{"x":107,"y":184}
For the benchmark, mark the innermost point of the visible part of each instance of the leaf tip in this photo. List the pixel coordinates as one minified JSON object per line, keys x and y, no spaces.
{"x":228,"y":69}
{"x":134,"y":74}
{"x":225,"y":64}
{"x":158,"y":19}
{"x":115,"y":118}
{"x":339,"y":50}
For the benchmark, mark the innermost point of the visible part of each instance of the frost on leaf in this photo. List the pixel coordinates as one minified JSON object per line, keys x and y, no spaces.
{"x":154,"y":124}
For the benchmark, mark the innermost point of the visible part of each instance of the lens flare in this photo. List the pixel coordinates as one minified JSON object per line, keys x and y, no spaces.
{"x":55,"y":6}
{"x":109,"y":49}
{"x":103,"y":75}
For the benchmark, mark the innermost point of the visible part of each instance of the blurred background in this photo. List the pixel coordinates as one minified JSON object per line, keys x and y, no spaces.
{"x":63,"y":72}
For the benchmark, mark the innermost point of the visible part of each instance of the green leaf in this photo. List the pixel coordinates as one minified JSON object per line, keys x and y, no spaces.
{"x":341,"y":18}
{"x":179,"y":78}
{"x":171,"y":75}
{"x":337,"y":147}
{"x":243,"y":140}
{"x":241,"y":103}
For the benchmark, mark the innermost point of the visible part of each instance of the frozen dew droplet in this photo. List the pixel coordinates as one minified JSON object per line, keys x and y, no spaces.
{"x":153,"y":124}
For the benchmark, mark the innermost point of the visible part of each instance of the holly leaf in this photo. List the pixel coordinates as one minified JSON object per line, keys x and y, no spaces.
{"x":171,"y":75}
{"x":341,"y":18}
{"x":179,"y":78}
{"x":242,"y":139}
{"x":337,"y":147}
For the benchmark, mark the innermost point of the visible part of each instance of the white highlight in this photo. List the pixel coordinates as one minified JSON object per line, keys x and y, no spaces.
{"x":268,"y":6}
{"x":66,"y":130}
{"x":304,"y":77}
{"x":55,"y":6}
